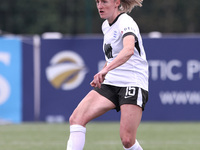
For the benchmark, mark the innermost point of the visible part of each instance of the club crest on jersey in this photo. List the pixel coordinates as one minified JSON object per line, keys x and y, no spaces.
{"x":108,"y":50}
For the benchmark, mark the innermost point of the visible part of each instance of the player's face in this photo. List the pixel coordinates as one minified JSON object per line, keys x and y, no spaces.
{"x":108,"y":9}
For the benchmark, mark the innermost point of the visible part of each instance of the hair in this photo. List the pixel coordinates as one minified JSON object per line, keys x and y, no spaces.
{"x":128,"y":5}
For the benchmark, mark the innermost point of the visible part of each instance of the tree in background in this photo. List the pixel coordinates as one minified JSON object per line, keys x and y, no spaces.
{"x":81,"y":17}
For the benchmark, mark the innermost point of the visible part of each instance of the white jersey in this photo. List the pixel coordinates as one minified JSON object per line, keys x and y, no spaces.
{"x":134,"y":72}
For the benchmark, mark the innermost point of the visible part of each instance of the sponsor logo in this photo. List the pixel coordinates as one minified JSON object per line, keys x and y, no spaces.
{"x":66,"y":71}
{"x":108,"y":50}
{"x":128,"y":29}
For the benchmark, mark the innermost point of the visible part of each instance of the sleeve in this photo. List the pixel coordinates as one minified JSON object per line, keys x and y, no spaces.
{"x":128,"y":26}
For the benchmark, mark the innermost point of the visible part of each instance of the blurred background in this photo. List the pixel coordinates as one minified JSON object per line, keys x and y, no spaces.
{"x":50,"y":50}
{"x":81,"y":17}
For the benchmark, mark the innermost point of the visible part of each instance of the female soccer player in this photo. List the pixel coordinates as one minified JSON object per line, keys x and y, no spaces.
{"x":123,"y":82}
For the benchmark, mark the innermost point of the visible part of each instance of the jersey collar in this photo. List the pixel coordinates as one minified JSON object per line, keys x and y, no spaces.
{"x":115,"y":19}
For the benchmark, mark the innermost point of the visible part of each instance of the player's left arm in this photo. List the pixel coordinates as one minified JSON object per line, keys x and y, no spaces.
{"x":125,"y":53}
{"x":122,"y":57}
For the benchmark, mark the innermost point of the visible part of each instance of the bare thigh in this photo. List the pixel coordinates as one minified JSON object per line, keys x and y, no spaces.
{"x":92,"y":106}
{"x":130,"y":120}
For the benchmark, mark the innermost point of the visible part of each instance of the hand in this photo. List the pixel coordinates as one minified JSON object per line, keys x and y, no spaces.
{"x":99,"y":78}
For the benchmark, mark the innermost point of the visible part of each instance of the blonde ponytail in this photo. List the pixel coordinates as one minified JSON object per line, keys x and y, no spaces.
{"x":128,"y":5}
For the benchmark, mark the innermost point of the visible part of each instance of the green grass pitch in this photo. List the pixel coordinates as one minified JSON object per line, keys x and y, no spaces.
{"x":101,"y":136}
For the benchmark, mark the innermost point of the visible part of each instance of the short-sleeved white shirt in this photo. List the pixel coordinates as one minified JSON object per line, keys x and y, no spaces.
{"x":134,"y":72}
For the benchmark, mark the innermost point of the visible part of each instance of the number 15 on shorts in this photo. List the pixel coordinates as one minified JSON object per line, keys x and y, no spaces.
{"x":130,"y":91}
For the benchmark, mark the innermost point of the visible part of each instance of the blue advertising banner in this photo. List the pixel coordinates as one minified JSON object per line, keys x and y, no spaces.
{"x":174,"y":88}
{"x":10,"y":81}
{"x":68,"y":66}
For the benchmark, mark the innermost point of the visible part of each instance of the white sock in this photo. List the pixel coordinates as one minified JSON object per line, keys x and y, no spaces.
{"x":136,"y":146}
{"x":77,"y":137}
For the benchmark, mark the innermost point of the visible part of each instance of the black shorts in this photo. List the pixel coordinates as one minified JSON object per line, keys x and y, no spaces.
{"x":124,"y":95}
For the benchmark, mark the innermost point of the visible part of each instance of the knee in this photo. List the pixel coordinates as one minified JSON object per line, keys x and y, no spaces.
{"x":72,"y":119}
{"x":127,"y":141}
{"x":77,"y":120}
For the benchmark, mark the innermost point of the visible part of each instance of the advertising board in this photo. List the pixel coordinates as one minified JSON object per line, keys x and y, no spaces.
{"x":68,"y":66}
{"x":10,"y":80}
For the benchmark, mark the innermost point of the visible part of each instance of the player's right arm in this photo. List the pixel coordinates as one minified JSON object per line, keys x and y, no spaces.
{"x":100,"y":77}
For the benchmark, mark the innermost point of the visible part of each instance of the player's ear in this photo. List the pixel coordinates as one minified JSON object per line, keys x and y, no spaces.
{"x":117,"y":3}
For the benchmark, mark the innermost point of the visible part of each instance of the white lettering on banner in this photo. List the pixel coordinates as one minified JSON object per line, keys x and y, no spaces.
{"x":5,"y":58}
{"x":164,"y":69}
{"x":4,"y":90}
{"x":193,"y":67}
{"x":4,"y":85}
{"x":161,"y":69}
{"x":180,"y":97}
